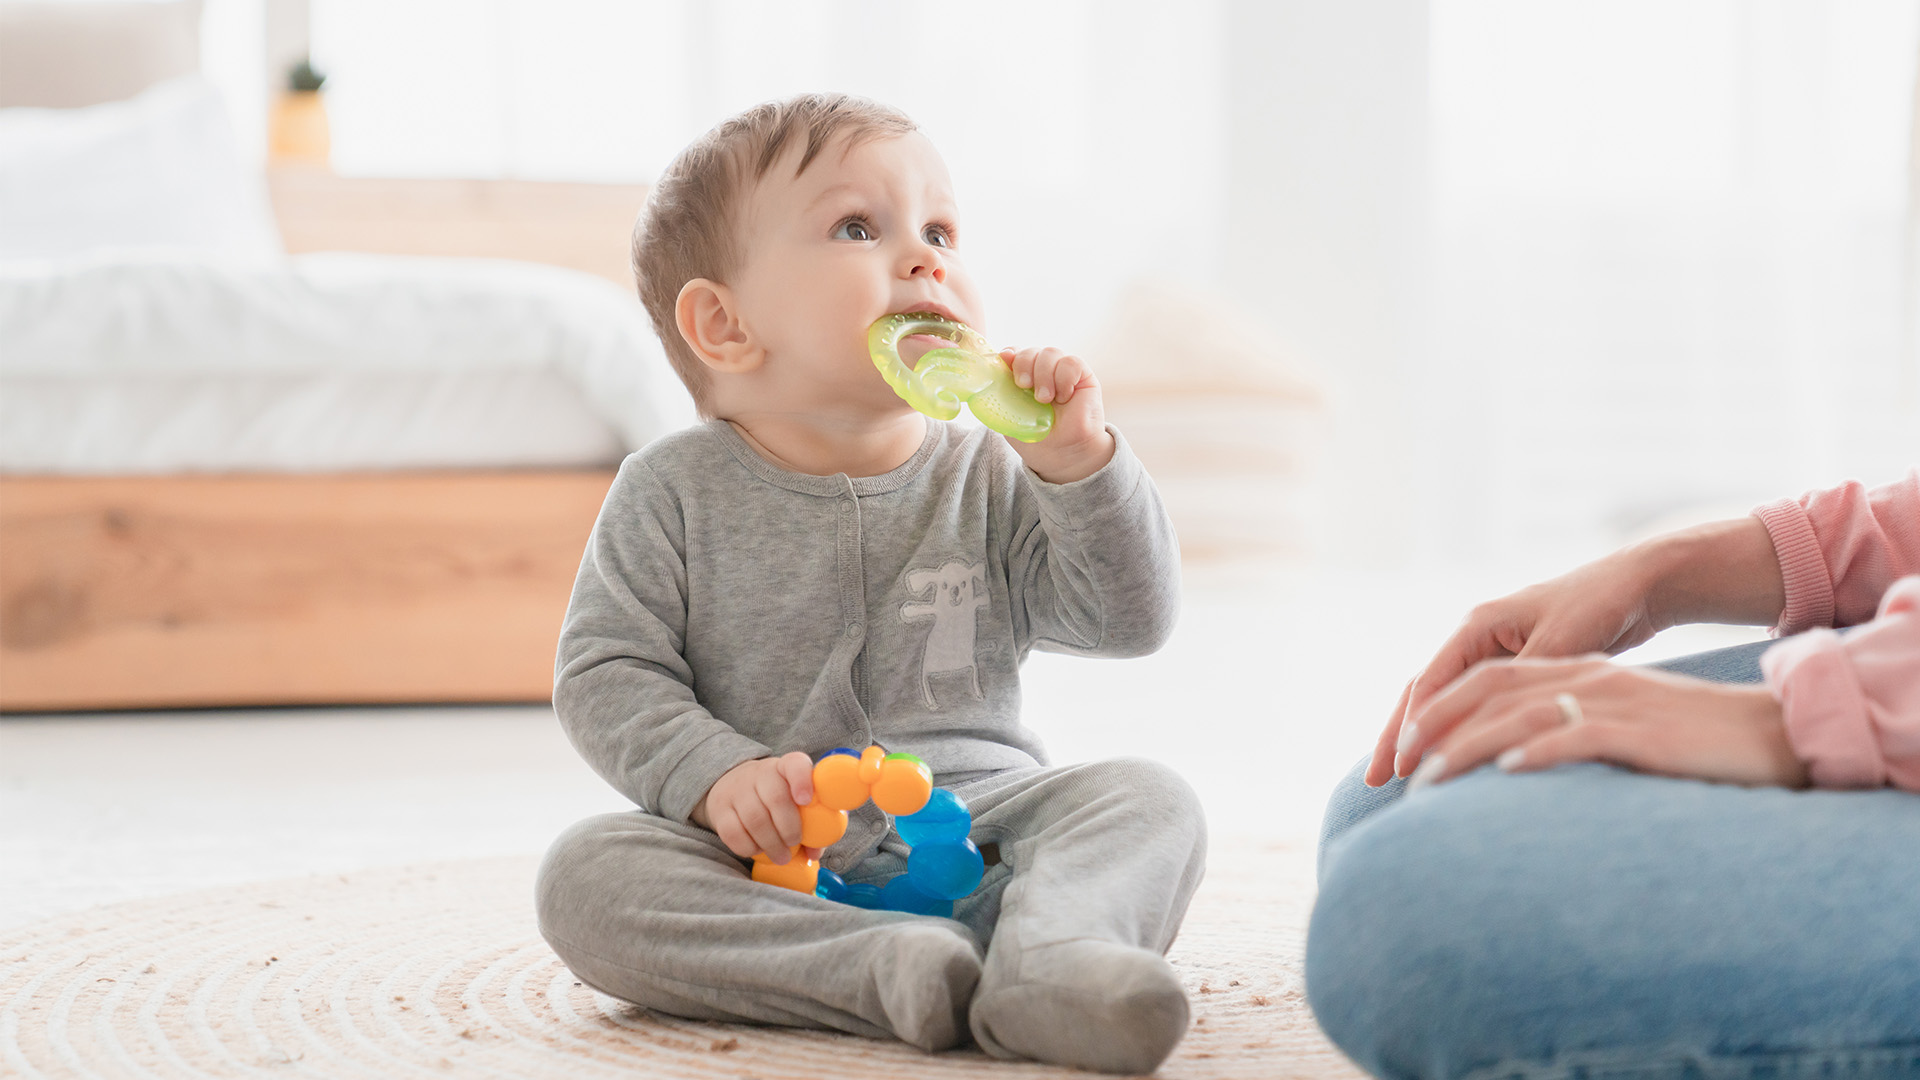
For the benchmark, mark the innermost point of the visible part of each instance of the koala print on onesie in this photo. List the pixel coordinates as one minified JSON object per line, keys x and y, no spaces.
{"x":959,"y":591}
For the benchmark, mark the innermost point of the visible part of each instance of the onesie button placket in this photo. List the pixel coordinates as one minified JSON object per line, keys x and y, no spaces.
{"x":868,"y":824}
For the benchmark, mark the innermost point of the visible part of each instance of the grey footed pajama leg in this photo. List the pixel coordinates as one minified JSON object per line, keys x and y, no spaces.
{"x":662,"y":915}
{"x":1104,"y":859}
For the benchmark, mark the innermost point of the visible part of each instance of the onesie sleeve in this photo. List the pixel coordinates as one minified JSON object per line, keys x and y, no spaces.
{"x":1841,"y":548}
{"x":1094,"y":566}
{"x":1852,"y":704}
{"x":622,"y":687}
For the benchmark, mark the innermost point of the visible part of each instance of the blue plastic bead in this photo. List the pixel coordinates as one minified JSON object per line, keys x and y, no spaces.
{"x":949,"y":869}
{"x":901,"y":895}
{"x":836,"y":750}
{"x":864,"y":896}
{"x":831,"y":886}
{"x":944,"y":817}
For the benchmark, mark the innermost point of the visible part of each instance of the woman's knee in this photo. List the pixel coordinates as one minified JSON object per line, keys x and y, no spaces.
{"x":1381,"y":972}
{"x":1352,"y":802}
{"x":1589,"y":913}
{"x":1442,"y":939}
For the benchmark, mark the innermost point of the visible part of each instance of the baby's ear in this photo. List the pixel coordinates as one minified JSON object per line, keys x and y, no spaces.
{"x":705,"y":313}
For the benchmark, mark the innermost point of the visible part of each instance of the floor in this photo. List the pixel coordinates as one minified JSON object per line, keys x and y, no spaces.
{"x":1275,"y":684}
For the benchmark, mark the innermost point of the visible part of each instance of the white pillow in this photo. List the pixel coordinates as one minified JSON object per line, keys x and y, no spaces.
{"x":157,"y":172}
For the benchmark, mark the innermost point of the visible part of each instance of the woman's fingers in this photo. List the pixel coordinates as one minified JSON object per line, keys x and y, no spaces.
{"x":1471,"y":644}
{"x":1380,"y":769}
{"x":1484,"y":738}
{"x":1629,"y":745}
{"x":1674,"y":727}
{"x":1486,"y":687}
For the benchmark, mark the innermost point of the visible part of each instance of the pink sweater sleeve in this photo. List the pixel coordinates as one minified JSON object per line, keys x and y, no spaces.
{"x":1841,"y":549}
{"x":1851,"y":705}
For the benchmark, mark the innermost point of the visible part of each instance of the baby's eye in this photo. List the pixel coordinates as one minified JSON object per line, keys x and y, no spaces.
{"x":937,"y":235}
{"x":853,"y":229}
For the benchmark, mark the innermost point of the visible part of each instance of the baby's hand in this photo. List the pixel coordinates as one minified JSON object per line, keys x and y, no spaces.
{"x":1079,"y":444}
{"x":756,"y":805}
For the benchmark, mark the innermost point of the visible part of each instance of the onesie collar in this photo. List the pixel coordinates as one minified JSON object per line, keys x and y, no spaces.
{"x":839,"y":483}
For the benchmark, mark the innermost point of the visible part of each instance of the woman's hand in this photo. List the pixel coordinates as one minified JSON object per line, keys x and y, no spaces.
{"x":1600,"y":607}
{"x":1723,"y":572}
{"x":1529,"y":715}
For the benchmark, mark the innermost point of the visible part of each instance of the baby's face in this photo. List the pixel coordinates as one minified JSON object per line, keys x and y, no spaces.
{"x":865,"y":232}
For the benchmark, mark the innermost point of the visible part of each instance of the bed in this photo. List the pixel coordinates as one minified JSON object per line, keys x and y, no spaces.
{"x":235,"y":470}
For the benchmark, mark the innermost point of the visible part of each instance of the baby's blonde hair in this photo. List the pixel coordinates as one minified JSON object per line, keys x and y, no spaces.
{"x":689,"y":228}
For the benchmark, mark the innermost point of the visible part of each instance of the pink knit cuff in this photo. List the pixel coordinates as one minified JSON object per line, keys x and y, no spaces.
{"x":1825,"y":711}
{"x":1802,"y":567}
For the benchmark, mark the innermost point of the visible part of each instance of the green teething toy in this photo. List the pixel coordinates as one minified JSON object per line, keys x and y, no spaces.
{"x":971,"y":371}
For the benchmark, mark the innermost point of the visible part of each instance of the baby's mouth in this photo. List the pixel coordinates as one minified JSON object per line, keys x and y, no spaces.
{"x":915,"y":346}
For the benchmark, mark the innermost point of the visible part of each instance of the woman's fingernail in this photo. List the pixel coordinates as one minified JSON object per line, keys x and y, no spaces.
{"x":1427,"y":773}
{"x":1407,"y":734}
{"x":1512,"y":759}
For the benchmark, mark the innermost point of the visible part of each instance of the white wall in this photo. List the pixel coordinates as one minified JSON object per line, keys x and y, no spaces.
{"x":1567,"y":269}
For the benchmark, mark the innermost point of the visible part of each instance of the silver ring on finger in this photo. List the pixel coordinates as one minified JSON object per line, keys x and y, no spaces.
{"x":1569,"y":707}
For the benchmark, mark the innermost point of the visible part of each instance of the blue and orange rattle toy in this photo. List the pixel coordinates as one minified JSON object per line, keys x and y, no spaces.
{"x":971,"y":371}
{"x":943,"y":865}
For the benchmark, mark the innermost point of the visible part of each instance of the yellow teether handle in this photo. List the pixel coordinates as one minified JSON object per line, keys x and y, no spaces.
{"x":970,"y":372}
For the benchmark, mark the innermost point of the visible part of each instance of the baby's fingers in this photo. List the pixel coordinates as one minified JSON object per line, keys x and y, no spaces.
{"x":733,"y":833}
{"x":1020,"y":363}
{"x":762,"y":835}
{"x":771,"y":815}
{"x":1068,"y":371}
{"x":797,"y":770}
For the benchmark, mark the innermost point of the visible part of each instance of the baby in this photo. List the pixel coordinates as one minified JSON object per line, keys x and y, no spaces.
{"x":820,"y":566}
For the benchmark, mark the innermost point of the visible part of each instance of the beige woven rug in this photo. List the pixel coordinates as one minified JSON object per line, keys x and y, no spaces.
{"x":437,"y":971}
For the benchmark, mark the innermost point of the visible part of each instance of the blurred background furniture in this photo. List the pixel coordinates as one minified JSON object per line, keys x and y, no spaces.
{"x":585,"y":227}
{"x":204,"y":560}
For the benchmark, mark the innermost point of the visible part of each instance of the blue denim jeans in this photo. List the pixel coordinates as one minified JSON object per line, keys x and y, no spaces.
{"x":1590,"y":923}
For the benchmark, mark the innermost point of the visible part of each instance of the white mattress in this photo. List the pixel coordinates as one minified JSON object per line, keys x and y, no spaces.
{"x":325,"y":363}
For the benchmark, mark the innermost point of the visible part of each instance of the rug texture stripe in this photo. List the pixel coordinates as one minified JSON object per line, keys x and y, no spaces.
{"x":437,"y":971}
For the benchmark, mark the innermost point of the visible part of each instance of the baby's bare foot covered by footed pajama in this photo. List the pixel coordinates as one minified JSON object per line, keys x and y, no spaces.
{"x":1089,"y":1004}
{"x":924,"y":980}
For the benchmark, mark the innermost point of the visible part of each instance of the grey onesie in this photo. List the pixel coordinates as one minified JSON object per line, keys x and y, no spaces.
{"x":727,"y":609}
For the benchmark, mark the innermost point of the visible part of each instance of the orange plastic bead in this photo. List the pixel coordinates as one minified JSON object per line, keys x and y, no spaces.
{"x":821,"y":825}
{"x":800,"y":875}
{"x":837,"y":783}
{"x":904,"y":786}
{"x":870,"y":760}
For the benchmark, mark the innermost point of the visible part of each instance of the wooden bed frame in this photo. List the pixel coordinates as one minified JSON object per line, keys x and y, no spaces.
{"x":249,"y":590}
{"x":284,"y":589}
